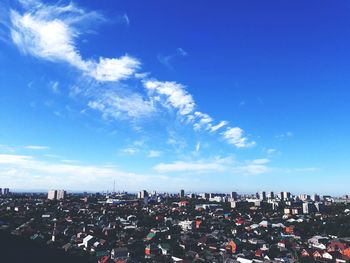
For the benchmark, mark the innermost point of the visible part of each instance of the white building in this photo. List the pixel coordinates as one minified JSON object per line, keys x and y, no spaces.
{"x":142,"y":194}
{"x":56,"y":194}
{"x":52,"y":195}
{"x":61,"y":194}
{"x":87,"y":241}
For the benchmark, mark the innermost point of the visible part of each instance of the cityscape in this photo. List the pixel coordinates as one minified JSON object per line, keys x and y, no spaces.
{"x":181,"y":227}
{"x":178,"y":131}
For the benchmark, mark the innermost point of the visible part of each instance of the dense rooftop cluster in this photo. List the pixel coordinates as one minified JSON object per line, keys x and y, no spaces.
{"x":177,"y":228}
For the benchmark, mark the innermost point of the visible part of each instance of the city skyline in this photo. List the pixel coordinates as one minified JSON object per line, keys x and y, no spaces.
{"x":213,"y":98}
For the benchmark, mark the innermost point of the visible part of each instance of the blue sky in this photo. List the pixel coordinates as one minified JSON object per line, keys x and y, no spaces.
{"x":205,"y":96}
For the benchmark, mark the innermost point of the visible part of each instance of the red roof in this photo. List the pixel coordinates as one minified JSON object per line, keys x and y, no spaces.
{"x":104,"y":259}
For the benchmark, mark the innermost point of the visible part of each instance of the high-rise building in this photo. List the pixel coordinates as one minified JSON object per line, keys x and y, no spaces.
{"x":6,"y":191}
{"x":0,"y":191}
{"x":285,"y":196}
{"x":52,"y":195}
{"x":271,"y":195}
{"x":204,"y":195}
{"x":61,"y":194}
{"x":308,"y":208}
{"x":182,"y":193}
{"x":234,"y":195}
{"x":304,"y":197}
{"x":262,"y":196}
{"x":142,"y":194}
{"x":319,"y":207}
{"x":315,"y":198}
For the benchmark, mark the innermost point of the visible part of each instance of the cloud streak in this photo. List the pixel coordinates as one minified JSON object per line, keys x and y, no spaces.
{"x":14,"y":169}
{"x":216,"y":165}
{"x":49,"y":32}
{"x":36,"y":147}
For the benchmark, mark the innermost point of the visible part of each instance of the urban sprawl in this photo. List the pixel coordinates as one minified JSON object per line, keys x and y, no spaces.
{"x":203,"y":227}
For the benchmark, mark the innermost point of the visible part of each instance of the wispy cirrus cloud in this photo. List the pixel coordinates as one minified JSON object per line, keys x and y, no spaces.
{"x":180,"y":166}
{"x":54,"y":87}
{"x":154,"y":154}
{"x":50,"y":32}
{"x":174,"y":95}
{"x":11,"y":149}
{"x":167,"y":60}
{"x":216,"y":165}
{"x":112,"y":104}
{"x":36,"y":147}
{"x":287,"y":134}
{"x":171,"y":94}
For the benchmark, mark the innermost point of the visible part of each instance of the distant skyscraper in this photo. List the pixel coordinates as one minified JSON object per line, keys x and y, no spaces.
{"x":61,"y":194}
{"x":52,"y":195}
{"x":182,"y":193}
{"x":6,"y":191}
{"x":271,"y":195}
{"x":308,"y":208}
{"x":234,"y":195}
{"x":0,"y":191}
{"x":204,"y":195}
{"x":315,"y":198}
{"x":285,"y":196}
{"x":262,"y":196}
{"x":142,"y":194}
{"x":304,"y":197}
{"x":319,"y":207}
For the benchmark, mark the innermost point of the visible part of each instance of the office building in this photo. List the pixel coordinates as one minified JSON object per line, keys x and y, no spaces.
{"x":182,"y":193}
{"x":52,"y":195}
{"x":61,"y":194}
{"x":142,"y":194}
{"x":271,"y":195}
{"x":308,"y":208}
{"x":262,"y":196}
{"x":234,"y":195}
{"x":315,"y":198}
{"x":285,"y":196}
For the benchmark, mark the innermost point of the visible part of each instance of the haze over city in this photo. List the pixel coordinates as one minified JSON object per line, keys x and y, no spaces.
{"x":238,"y":96}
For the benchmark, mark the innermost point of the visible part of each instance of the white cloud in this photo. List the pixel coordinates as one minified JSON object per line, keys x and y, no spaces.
{"x":189,"y":167}
{"x":114,"y":69}
{"x":111,"y":104}
{"x":154,"y":154}
{"x":218,"y":126}
{"x":36,"y":147}
{"x":14,"y":159}
{"x":271,"y":151}
{"x":284,"y":135}
{"x":216,"y":165}
{"x":260,"y":161}
{"x":7,"y":148}
{"x":168,"y":59}
{"x":235,"y":137}
{"x":50,"y":32}
{"x":54,"y":86}
{"x":203,"y":121}
{"x":171,"y":94}
{"x":126,"y":19}
{"x":254,"y":169}
{"x":38,"y":174}
{"x":130,"y":150}
{"x":198,"y":146}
